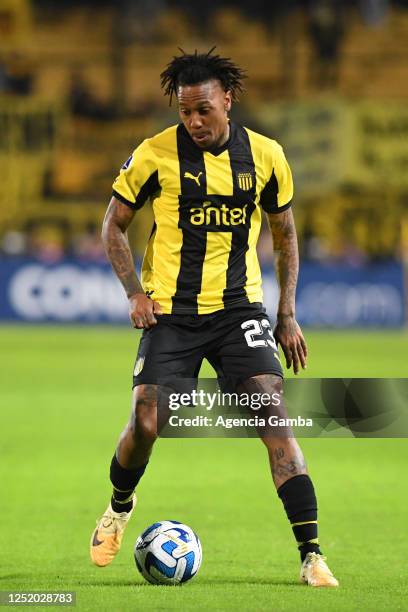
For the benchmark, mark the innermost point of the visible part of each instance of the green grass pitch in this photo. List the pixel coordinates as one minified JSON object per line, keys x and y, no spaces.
{"x":64,"y":399}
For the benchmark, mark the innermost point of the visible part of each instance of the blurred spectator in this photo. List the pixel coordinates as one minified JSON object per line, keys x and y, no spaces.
{"x":13,"y":244}
{"x":83,"y":103}
{"x":88,"y":246}
{"x":351,"y":255}
{"x":16,"y":76}
{"x":265,"y":246}
{"x":46,"y":243}
{"x":314,"y":248}
{"x":326,"y":31}
{"x":136,"y":20}
{"x":374,"y":12}
{"x":3,"y":77}
{"x":200,"y":14}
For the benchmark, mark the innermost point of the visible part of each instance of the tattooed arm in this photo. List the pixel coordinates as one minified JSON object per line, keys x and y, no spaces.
{"x":114,"y":237}
{"x":287,"y":331}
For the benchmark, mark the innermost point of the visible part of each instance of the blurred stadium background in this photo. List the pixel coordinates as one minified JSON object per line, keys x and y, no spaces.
{"x":79,"y":89}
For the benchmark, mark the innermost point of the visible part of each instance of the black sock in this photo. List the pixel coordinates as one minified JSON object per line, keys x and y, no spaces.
{"x":299,"y":499}
{"x":124,"y":483}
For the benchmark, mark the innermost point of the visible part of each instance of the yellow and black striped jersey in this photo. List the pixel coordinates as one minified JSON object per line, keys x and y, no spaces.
{"x":201,"y":255}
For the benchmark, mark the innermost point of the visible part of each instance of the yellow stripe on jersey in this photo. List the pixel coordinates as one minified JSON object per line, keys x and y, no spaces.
{"x":134,"y":175}
{"x":218,"y":173}
{"x":264,"y":167}
{"x":283,"y":177}
{"x":214,"y":270}
{"x":274,"y":177}
{"x":147,"y":264}
{"x":161,"y":263}
{"x":166,"y":258}
{"x":262,"y":151}
{"x":219,"y":179}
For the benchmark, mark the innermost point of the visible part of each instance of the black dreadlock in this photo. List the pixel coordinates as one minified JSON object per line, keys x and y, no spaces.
{"x":190,"y":69}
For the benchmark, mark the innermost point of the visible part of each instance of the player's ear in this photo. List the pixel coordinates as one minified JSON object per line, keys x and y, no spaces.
{"x":227,"y":101}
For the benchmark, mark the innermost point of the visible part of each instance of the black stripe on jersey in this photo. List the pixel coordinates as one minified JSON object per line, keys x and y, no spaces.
{"x":154,"y":227}
{"x":192,"y":168}
{"x":280,"y":209}
{"x":242,"y":162}
{"x":120,"y":197}
{"x":193,"y":190}
{"x":149,"y":188}
{"x":269,"y":196}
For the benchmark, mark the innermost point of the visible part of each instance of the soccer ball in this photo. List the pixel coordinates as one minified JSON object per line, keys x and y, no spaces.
{"x":168,"y":552}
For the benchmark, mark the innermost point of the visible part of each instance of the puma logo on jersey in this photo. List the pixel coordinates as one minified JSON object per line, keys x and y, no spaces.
{"x":192,"y":177}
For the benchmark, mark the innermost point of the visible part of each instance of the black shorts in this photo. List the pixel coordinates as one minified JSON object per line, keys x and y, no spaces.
{"x":238,"y":343}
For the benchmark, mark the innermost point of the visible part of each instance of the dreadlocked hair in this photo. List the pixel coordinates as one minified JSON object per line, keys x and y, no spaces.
{"x":191,"y":69}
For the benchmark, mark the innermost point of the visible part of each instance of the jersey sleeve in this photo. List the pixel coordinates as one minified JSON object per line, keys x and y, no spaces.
{"x":277,"y":194}
{"x":138,"y":178}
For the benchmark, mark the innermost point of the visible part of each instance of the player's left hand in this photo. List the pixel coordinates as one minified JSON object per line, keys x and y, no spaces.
{"x":288,"y":334}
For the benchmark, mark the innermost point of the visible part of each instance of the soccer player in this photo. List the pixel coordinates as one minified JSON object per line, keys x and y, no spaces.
{"x":209,"y":179}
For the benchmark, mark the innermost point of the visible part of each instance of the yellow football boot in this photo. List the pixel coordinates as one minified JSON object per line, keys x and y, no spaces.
{"x":107,"y":537}
{"x":315,"y":573}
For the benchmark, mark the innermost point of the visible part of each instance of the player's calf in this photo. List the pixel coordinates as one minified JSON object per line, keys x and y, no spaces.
{"x":285,"y":458}
{"x":127,"y":467}
{"x":134,"y":448}
{"x":293,"y":484}
{"x":136,"y":441}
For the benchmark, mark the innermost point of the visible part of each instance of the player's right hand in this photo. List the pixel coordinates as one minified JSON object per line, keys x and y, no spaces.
{"x":142,"y":311}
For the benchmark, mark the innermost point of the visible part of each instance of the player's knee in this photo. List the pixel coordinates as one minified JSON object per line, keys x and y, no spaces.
{"x":274,"y":383}
{"x":143,"y":426}
{"x":270,"y":385}
{"x":145,"y":429}
{"x":263,"y":383}
{"x":144,"y":416}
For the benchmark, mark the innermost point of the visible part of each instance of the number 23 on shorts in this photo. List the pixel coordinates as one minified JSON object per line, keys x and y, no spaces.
{"x":254,"y":330}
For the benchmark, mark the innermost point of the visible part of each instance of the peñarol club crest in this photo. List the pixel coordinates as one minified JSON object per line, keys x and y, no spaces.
{"x":245,"y":181}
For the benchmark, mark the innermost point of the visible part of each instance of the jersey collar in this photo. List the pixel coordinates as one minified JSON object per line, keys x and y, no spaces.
{"x":217,"y":150}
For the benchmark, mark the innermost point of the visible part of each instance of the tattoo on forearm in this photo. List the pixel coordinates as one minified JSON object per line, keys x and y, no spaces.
{"x":117,"y":248}
{"x":119,"y":254}
{"x":287,"y":258}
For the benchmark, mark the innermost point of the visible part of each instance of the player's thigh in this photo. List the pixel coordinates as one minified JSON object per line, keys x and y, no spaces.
{"x":264,"y":398}
{"x":167,"y":353}
{"x":245,"y":347}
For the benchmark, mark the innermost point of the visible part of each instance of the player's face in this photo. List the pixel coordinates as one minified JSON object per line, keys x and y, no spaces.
{"x":203,"y":109}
